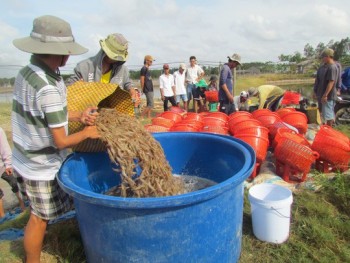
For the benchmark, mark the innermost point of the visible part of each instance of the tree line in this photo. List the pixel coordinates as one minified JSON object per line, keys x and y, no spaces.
{"x":287,"y":62}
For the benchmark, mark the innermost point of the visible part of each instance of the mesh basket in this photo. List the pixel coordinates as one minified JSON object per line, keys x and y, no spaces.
{"x":296,"y":155}
{"x":259,"y":131}
{"x":290,"y":134}
{"x":332,"y":150}
{"x":82,"y":95}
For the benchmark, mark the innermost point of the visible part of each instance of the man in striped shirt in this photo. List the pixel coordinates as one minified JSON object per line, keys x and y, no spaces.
{"x":40,"y":125}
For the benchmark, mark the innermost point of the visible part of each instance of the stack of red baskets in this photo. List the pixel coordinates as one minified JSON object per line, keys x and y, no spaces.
{"x":192,"y":122}
{"x":215,"y":122}
{"x":334,"y":149}
{"x":243,"y":126}
{"x":297,"y":119}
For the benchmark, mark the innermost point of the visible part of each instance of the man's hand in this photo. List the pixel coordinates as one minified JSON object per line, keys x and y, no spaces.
{"x":9,"y":171}
{"x":88,"y":117}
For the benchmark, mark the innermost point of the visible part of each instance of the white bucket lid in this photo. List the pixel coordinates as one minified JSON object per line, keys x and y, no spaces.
{"x":270,"y":195}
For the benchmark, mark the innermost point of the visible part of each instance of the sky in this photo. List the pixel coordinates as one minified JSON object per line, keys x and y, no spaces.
{"x":171,"y":31}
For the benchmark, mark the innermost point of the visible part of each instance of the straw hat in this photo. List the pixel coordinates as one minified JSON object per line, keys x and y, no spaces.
{"x":253,"y":91}
{"x":235,"y":57}
{"x":50,"y":35}
{"x":115,"y":46}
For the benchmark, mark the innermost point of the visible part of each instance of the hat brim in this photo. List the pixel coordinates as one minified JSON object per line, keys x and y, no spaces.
{"x":112,"y":55}
{"x":28,"y":44}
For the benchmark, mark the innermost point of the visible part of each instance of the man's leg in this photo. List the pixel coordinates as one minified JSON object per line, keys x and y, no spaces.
{"x":33,"y":238}
{"x":2,"y":212}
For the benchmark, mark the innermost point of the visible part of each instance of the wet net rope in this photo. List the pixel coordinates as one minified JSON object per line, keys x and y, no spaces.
{"x":129,"y":145}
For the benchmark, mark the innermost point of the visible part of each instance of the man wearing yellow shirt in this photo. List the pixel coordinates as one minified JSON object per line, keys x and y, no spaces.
{"x":267,"y":94}
{"x":107,"y":66}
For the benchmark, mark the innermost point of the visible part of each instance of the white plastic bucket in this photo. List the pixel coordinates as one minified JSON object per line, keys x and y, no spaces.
{"x":271,"y":212}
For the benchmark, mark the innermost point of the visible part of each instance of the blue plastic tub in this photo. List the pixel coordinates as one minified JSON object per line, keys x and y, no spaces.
{"x":201,"y":226}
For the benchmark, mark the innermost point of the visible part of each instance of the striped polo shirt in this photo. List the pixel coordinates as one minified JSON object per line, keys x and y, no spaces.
{"x":39,"y":103}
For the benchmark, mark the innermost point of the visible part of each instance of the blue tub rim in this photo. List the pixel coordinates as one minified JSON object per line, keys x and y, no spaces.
{"x":169,"y":201}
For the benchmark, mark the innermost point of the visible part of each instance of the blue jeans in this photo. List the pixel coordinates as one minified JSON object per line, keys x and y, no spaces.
{"x":190,"y":89}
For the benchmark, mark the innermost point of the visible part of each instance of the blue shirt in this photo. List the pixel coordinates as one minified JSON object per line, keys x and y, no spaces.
{"x":225,"y":78}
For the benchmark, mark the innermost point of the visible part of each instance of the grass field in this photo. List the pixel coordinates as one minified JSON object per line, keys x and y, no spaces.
{"x":320,"y":226}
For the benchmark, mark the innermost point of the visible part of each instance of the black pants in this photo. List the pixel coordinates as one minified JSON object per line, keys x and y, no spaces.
{"x":172,"y":101}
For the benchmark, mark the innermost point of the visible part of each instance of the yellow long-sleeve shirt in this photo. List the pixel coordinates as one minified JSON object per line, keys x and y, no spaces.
{"x":268,"y":91}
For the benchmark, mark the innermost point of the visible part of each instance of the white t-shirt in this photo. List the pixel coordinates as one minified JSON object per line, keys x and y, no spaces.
{"x":193,"y":73}
{"x":179,"y":79}
{"x":238,"y":104}
{"x":166,"y":82}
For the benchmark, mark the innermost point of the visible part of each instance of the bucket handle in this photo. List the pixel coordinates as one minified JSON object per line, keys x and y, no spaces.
{"x":279,"y":212}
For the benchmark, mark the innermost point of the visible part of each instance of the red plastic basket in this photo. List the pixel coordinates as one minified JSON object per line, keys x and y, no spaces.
{"x":193,"y":116}
{"x":156,"y":128}
{"x":183,"y":128}
{"x":212,"y":96}
{"x":239,"y":113}
{"x":259,"y":131}
{"x":243,"y":124}
{"x":296,"y":155}
{"x":268,"y":119}
{"x":283,"y":111}
{"x":213,"y":121}
{"x":218,"y":115}
{"x":290,"y":97}
{"x":238,"y":118}
{"x":332,"y":150}
{"x":215,"y":129}
{"x":259,"y":112}
{"x":176,"y":117}
{"x":297,"y":119}
{"x":193,"y":123}
{"x":289,"y":134}
{"x":163,"y":122}
{"x":259,"y":144}
{"x":328,"y":131}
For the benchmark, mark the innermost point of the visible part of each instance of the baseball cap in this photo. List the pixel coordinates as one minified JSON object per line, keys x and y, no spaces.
{"x":327,"y":52}
{"x":149,"y":57}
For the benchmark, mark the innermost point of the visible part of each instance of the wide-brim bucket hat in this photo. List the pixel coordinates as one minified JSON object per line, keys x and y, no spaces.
{"x":115,"y":46}
{"x":50,"y":35}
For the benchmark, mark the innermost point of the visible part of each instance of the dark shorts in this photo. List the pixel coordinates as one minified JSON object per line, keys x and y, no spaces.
{"x":227,"y":108}
{"x":11,"y":180}
{"x":47,"y":199}
{"x":150,"y":99}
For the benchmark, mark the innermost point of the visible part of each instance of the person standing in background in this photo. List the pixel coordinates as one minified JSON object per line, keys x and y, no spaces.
{"x":180,"y":89}
{"x":325,"y":87}
{"x":194,"y":74}
{"x":226,"y":84}
{"x":147,"y":85}
{"x":167,"y":87}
